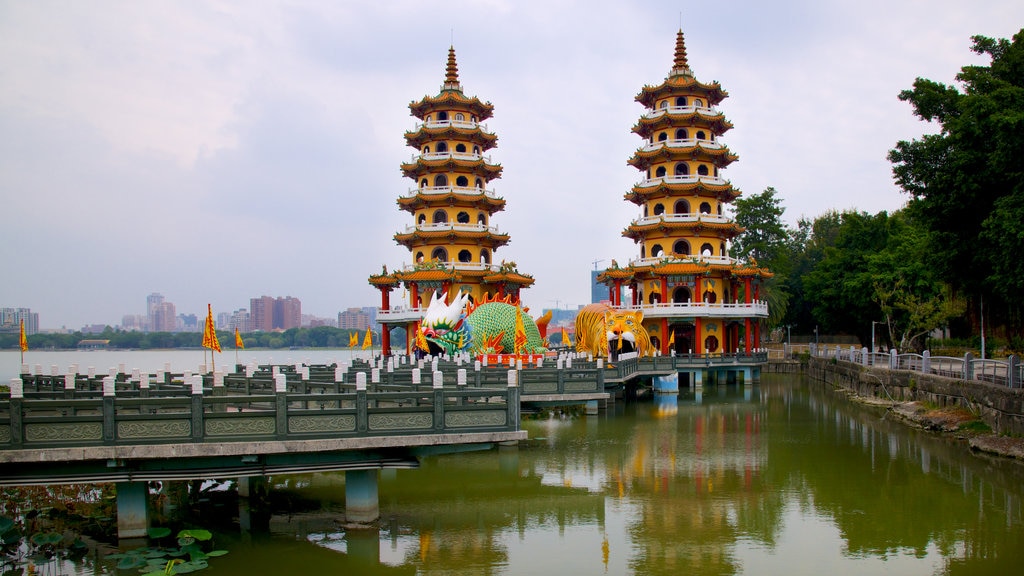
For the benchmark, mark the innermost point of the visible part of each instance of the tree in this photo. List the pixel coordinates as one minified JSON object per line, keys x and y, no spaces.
{"x":967,"y":181}
{"x":766,"y":239}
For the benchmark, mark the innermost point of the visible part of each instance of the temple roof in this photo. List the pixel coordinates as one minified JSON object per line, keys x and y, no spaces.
{"x":696,"y":187}
{"x":681,"y":81}
{"x":726,"y":230}
{"x":648,"y":124}
{"x":422,"y":237}
{"x":451,"y":96}
{"x":715,"y":153}
{"x":426,"y":133}
{"x":453,"y":197}
{"x":451,"y":163}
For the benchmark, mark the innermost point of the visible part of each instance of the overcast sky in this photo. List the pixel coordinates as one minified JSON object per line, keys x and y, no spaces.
{"x":218,"y":151}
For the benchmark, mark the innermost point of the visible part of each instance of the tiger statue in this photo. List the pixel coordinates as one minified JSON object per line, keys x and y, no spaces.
{"x":601,"y":328}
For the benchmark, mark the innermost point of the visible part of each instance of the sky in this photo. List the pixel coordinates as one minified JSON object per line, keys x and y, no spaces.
{"x":223,"y":150}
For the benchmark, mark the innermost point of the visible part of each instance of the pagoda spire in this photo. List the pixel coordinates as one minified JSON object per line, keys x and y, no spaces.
{"x":679,"y":65}
{"x":451,"y":72}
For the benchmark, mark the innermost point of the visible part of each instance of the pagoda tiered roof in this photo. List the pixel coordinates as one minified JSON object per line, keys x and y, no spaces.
{"x":712,"y":152}
{"x":432,"y":163}
{"x":695,"y":186}
{"x":432,"y":233}
{"x":451,"y":96}
{"x":639,"y":230}
{"x":453,"y":131}
{"x":672,"y":117}
{"x":450,"y":196}
{"x":681,"y":80}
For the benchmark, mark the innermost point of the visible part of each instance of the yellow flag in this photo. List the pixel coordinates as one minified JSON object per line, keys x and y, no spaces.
{"x":238,"y":340}
{"x":353,"y":340}
{"x":23,"y":341}
{"x":565,"y":338}
{"x":519,"y":336}
{"x":209,"y":333}
{"x":368,"y":339}
{"x":672,"y":339}
{"x":421,"y":341}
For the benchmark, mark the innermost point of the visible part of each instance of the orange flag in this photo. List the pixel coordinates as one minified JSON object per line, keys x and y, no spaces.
{"x":22,"y":340}
{"x":353,"y":340}
{"x":238,"y":340}
{"x":209,"y":334}
{"x":565,"y":338}
{"x":368,"y":339}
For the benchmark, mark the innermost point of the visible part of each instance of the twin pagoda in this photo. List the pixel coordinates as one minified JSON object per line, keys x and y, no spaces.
{"x":693,"y":296}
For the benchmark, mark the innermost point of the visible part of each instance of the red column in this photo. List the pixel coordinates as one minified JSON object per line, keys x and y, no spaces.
{"x":414,"y":291}
{"x":636,"y":296}
{"x":445,"y":287}
{"x":699,"y":296}
{"x":618,"y":293}
{"x":664,"y":336}
{"x":746,"y":339}
{"x":746,"y":289}
{"x":385,"y":333}
{"x":698,"y":345}
{"x":611,"y":295}
{"x":664,"y":289}
{"x":757,"y":292}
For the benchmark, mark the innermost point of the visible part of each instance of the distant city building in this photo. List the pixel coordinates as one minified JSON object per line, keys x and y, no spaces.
{"x":314,"y":321}
{"x":94,"y":328}
{"x":11,"y":318}
{"x":133,"y":323}
{"x":598,"y":291}
{"x":189,"y":322}
{"x":353,"y":319}
{"x":267,"y":313}
{"x":160,"y":314}
{"x":238,"y":319}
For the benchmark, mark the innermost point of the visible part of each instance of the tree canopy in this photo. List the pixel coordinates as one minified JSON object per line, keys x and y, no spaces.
{"x":967,"y":181}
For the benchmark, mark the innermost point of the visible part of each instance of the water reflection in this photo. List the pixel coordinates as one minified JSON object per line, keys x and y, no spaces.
{"x":782,"y":478}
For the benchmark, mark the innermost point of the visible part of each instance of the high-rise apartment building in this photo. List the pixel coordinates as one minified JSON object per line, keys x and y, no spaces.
{"x":353,"y":319}
{"x":11,"y":319}
{"x":267,"y":313}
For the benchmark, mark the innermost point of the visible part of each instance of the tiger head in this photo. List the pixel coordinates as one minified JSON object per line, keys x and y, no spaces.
{"x":625,"y":333}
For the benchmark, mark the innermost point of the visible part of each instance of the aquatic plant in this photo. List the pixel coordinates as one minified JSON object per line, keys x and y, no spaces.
{"x":186,"y":558}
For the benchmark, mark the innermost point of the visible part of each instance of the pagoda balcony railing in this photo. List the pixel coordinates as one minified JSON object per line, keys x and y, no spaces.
{"x":468,"y":125}
{"x":400,"y":314}
{"x":702,"y":310}
{"x":705,"y":259}
{"x":682,"y":218}
{"x":684,"y":179}
{"x":685,"y":143}
{"x":452,"y":155}
{"x":468,"y":266}
{"x":452,"y":226}
{"x":445,"y":190}
{"x":681,"y":110}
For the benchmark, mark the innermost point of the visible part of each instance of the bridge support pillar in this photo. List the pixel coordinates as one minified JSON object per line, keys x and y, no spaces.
{"x":132,"y":510}
{"x":361,"y":501}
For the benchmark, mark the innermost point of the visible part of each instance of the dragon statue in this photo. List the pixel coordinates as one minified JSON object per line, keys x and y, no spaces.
{"x":491,"y":326}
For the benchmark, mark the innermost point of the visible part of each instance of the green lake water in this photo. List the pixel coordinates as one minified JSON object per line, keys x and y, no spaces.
{"x":781,"y":478}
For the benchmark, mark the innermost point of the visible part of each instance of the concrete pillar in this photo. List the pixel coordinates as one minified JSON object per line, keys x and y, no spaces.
{"x":132,"y":510}
{"x":361,"y":501}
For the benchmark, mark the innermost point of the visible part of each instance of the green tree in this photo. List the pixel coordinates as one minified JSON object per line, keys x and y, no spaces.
{"x":767,"y":240}
{"x":967,"y":181}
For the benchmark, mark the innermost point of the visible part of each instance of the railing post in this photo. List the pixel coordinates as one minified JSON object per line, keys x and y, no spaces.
{"x":513,"y":399}
{"x":926,"y":362}
{"x":109,"y":414}
{"x":198,"y":423}
{"x":438,"y":400}
{"x":561,"y":381}
{"x":968,"y":371}
{"x":894,"y":360}
{"x":362,"y":419}
{"x":1012,"y":371}
{"x":17,"y":415}
{"x":460,"y":384}
{"x":281,"y":405}
{"x":477,"y":375}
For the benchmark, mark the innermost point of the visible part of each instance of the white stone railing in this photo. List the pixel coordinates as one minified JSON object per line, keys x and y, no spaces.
{"x":687,"y":179}
{"x":687,"y":143}
{"x":702,"y":309}
{"x":681,"y":110}
{"x":453,"y":226}
{"x":444,"y":190}
{"x":720,"y":260}
{"x":467,"y":125}
{"x":451,"y":155}
{"x":682,"y":218}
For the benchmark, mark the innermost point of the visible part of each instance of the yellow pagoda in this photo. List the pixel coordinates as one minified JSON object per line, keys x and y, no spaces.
{"x":692,"y":294}
{"x":451,"y":239}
